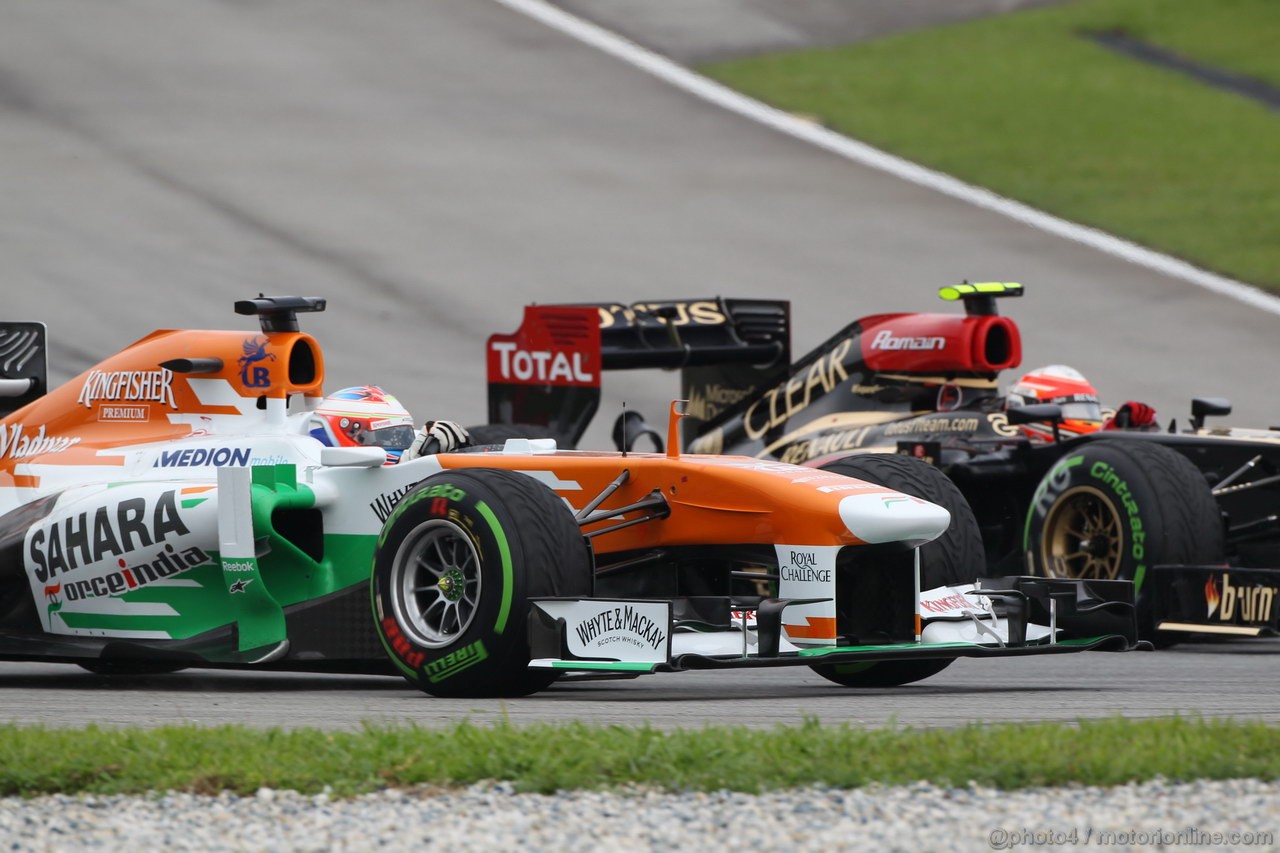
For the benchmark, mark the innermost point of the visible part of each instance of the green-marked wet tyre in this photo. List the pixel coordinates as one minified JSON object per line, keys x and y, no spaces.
{"x":1112,"y":509}
{"x":955,"y":557}
{"x":453,"y":572}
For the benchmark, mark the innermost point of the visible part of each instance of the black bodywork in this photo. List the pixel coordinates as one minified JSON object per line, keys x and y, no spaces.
{"x":930,"y":389}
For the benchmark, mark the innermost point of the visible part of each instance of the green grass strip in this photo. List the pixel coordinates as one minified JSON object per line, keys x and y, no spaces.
{"x":1027,"y":106}
{"x":546,"y":758}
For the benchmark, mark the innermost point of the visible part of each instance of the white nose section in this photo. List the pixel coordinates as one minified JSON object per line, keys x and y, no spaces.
{"x":893,"y":517}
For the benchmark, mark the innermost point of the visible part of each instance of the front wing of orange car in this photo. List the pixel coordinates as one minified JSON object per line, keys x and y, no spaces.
{"x":995,"y":617}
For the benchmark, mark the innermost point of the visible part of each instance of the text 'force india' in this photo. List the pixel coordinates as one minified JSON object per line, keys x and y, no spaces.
{"x":168,"y":508}
{"x":1189,"y":516}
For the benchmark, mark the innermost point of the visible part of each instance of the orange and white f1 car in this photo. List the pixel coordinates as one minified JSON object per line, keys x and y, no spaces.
{"x":169,"y":508}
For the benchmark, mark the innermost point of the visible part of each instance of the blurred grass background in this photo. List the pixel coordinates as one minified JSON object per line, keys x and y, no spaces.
{"x":1028,"y":106}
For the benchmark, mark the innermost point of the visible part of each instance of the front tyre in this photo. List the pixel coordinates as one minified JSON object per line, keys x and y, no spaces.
{"x":453,"y":572}
{"x":955,"y":557}
{"x":1112,"y":509}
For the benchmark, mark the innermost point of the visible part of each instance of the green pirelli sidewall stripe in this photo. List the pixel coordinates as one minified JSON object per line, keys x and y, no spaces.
{"x":1069,"y":462}
{"x":504,"y":612}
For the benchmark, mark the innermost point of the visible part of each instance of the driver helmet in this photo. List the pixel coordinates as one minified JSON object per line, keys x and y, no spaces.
{"x":364,"y":416}
{"x":1066,"y":386}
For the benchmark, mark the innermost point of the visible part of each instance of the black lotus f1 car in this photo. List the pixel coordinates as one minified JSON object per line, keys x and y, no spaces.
{"x":1191,"y":515}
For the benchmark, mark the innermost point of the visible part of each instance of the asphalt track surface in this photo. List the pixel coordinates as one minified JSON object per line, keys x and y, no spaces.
{"x":432,"y":166}
{"x":1234,"y":679}
{"x":694,"y":31}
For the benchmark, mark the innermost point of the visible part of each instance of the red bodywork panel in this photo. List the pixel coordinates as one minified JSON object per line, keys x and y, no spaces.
{"x":940,"y":343}
{"x":555,"y":345}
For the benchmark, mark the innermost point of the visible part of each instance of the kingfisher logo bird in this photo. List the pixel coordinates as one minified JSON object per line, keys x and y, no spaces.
{"x":253,"y":374}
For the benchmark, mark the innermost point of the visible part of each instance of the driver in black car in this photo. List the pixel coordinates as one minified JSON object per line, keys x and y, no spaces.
{"x":1081,"y":411}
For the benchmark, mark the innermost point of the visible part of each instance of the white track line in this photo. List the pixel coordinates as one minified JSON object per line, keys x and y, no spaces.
{"x":709,"y":90}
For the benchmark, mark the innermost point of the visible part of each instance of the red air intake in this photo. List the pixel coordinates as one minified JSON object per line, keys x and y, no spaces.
{"x":940,"y":343}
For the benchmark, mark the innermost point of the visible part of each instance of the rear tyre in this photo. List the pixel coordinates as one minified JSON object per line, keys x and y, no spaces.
{"x":453,"y":572}
{"x":955,"y":557}
{"x":1113,"y":509}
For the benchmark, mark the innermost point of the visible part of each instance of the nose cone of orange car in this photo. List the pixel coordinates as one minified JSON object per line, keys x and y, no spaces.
{"x":893,"y":517}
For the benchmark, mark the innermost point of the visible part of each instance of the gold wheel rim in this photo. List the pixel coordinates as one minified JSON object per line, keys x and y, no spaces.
{"x":1083,"y":536}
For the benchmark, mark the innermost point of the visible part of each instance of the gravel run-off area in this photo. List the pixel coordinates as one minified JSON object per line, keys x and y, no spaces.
{"x":1229,"y":815}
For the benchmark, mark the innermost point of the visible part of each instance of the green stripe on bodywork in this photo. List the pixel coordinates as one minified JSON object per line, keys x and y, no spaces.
{"x":348,"y":560}
{"x":197,"y":608}
{"x":118,"y":622}
{"x":888,"y":647}
{"x":291,"y":575}
{"x":897,"y":647}
{"x":500,"y":536}
{"x":259,"y":608}
{"x":1080,"y":641}
{"x":607,"y":666}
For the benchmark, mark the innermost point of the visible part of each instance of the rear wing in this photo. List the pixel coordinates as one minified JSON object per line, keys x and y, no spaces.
{"x":695,"y":333}
{"x":24,"y":370}
{"x":736,"y":372}
{"x":548,"y":372}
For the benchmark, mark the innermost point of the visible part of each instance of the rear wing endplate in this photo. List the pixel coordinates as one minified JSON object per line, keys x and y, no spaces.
{"x":24,"y":369}
{"x":548,"y":372}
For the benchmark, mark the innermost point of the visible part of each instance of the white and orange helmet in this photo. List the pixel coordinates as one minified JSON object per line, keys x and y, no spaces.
{"x":1065,"y":386}
{"x":363,"y":416}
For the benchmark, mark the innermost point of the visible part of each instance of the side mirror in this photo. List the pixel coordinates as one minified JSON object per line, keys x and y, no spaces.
{"x":630,"y":427}
{"x":353,"y":457}
{"x":1051,"y":412}
{"x":1032,"y":414}
{"x":1203,"y":407}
